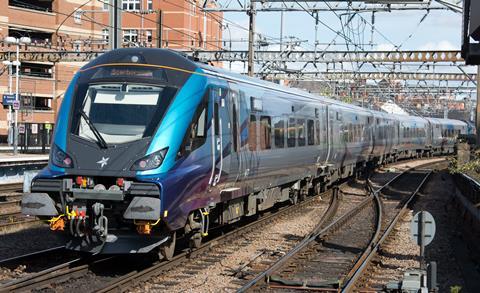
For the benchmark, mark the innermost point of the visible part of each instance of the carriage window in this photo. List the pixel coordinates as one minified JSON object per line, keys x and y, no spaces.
{"x":310,"y":132}
{"x":301,"y":132}
{"x":252,"y":133}
{"x":265,"y":133}
{"x":279,"y":126}
{"x":197,"y":132}
{"x":317,"y":132}
{"x":291,"y":133}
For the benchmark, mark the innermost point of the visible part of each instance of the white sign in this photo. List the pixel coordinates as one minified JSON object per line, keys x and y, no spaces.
{"x":425,"y":224}
{"x":34,"y":128}
{"x":21,"y":128}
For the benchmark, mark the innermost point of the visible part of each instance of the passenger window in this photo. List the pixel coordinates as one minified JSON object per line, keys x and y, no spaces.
{"x":317,"y":132}
{"x":279,"y":126}
{"x":265,"y":133}
{"x":301,"y":132}
{"x":197,"y":132}
{"x":310,"y":132}
{"x":252,"y":133}
{"x":291,"y":133}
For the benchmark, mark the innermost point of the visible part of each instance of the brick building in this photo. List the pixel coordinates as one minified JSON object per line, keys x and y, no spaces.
{"x":82,"y":25}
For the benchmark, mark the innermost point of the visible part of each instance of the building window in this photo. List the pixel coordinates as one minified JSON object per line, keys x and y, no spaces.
{"x":194,"y":8}
{"x":77,"y":16}
{"x":77,"y":46}
{"x":130,"y":36}
{"x":149,"y":36}
{"x":106,"y":4}
{"x":150,"y":4}
{"x":105,"y":35}
{"x":36,"y":70}
{"x":46,"y":5}
{"x":131,"y":5}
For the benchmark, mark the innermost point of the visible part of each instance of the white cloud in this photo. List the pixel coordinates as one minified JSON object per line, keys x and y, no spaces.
{"x":441,"y":45}
{"x":385,"y":47}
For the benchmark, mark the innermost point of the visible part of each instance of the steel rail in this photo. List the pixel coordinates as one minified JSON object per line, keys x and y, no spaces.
{"x":11,"y":187}
{"x":363,"y":263}
{"x":34,"y":254}
{"x":43,"y":277}
{"x":135,"y":277}
{"x":9,"y":204}
{"x":308,"y":239}
{"x":374,"y":196}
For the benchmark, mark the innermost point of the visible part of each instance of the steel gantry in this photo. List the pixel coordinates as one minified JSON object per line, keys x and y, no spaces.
{"x":332,"y":56}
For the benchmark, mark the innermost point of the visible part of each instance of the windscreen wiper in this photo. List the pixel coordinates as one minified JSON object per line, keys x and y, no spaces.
{"x":101,"y":141}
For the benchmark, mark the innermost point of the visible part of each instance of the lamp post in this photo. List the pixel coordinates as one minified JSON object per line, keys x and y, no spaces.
{"x":9,"y":120}
{"x":16,"y":63}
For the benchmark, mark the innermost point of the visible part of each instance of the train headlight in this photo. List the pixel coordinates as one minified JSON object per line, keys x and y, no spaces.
{"x":152,"y":161}
{"x":60,"y":158}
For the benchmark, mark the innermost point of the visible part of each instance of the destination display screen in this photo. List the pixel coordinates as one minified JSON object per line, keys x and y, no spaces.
{"x":130,"y":72}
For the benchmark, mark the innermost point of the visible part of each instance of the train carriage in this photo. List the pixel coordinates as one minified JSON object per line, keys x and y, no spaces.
{"x":150,"y":145}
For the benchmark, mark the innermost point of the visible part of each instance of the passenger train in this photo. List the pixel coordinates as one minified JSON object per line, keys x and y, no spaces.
{"x":150,"y":146}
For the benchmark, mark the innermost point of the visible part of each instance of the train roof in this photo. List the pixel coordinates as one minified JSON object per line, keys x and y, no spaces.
{"x":166,"y":58}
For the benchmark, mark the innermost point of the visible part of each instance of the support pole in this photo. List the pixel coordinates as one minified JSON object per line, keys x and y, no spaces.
{"x":251,"y":37}
{"x":159,"y":29}
{"x":477,"y":116}
{"x":115,"y":14}
{"x":17,"y":99}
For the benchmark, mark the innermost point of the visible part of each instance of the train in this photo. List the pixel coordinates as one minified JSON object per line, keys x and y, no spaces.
{"x":151,"y":146}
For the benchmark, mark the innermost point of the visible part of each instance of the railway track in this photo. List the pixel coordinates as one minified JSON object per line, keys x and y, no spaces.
{"x":131,"y":275}
{"x":395,"y":206}
{"x":11,"y":187}
{"x":333,"y":258}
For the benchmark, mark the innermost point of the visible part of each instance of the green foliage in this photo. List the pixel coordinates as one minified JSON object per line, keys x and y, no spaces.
{"x":455,"y":289}
{"x":472,"y":166}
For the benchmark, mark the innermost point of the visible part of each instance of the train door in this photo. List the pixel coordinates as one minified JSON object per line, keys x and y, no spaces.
{"x":237,"y":165}
{"x":329,"y":135}
{"x":221,"y":137}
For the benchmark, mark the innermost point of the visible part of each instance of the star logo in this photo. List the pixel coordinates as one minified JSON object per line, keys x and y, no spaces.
{"x":103,"y":162}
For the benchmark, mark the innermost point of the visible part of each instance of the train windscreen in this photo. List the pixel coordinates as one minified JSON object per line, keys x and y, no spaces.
{"x":120,"y":113}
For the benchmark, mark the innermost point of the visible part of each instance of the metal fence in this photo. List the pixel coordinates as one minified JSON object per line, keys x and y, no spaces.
{"x":35,"y":137}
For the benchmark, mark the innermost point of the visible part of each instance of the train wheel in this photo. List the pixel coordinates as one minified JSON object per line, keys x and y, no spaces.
{"x":193,"y":230}
{"x":195,"y":240}
{"x":294,"y":197}
{"x":167,"y":249}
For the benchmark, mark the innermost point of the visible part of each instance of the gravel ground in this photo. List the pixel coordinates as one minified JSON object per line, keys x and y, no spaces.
{"x":23,"y":242}
{"x":447,"y":248}
{"x":6,"y":197}
{"x":218,"y":267}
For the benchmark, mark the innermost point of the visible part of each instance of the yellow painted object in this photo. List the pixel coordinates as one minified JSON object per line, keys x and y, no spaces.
{"x":57,"y":223}
{"x":144,"y":228}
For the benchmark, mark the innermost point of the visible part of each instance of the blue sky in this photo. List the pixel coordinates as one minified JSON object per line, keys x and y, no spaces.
{"x":439,"y":30}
